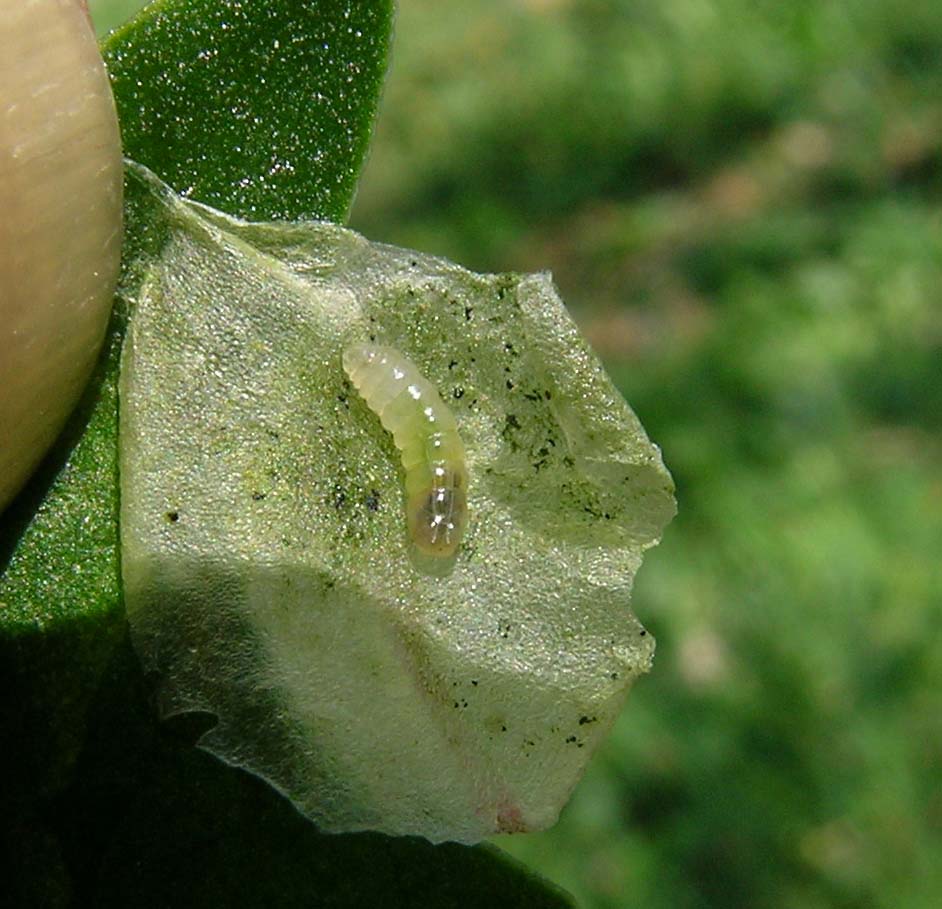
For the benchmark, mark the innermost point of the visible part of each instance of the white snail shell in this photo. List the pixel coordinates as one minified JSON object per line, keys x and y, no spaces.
{"x":61,"y":183}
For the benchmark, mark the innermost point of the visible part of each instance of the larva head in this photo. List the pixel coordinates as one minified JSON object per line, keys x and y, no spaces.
{"x":436,"y":517}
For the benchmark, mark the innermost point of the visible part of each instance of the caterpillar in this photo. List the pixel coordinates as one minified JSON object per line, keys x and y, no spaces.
{"x":426,"y":434}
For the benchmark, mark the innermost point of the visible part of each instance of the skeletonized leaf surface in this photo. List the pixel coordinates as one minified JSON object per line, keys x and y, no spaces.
{"x":266,"y":565}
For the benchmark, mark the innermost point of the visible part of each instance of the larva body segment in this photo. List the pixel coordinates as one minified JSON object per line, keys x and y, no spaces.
{"x":426,"y":434}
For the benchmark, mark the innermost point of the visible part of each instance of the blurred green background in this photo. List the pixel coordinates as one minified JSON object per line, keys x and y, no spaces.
{"x":741,"y":200}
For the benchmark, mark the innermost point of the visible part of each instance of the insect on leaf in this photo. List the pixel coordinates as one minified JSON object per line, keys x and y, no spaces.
{"x":426,"y":435}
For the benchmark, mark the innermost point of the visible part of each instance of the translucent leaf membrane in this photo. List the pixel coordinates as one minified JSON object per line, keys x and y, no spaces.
{"x":267,"y":568}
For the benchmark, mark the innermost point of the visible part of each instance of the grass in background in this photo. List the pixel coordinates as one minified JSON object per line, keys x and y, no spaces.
{"x":741,"y":201}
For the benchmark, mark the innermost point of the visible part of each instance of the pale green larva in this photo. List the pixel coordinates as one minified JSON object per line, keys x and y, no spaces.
{"x":426,"y":434}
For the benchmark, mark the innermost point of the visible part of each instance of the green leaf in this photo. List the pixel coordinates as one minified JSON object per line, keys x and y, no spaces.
{"x":261,"y":109}
{"x":267,"y":570}
{"x":60,"y":600}
{"x":61,"y":618}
